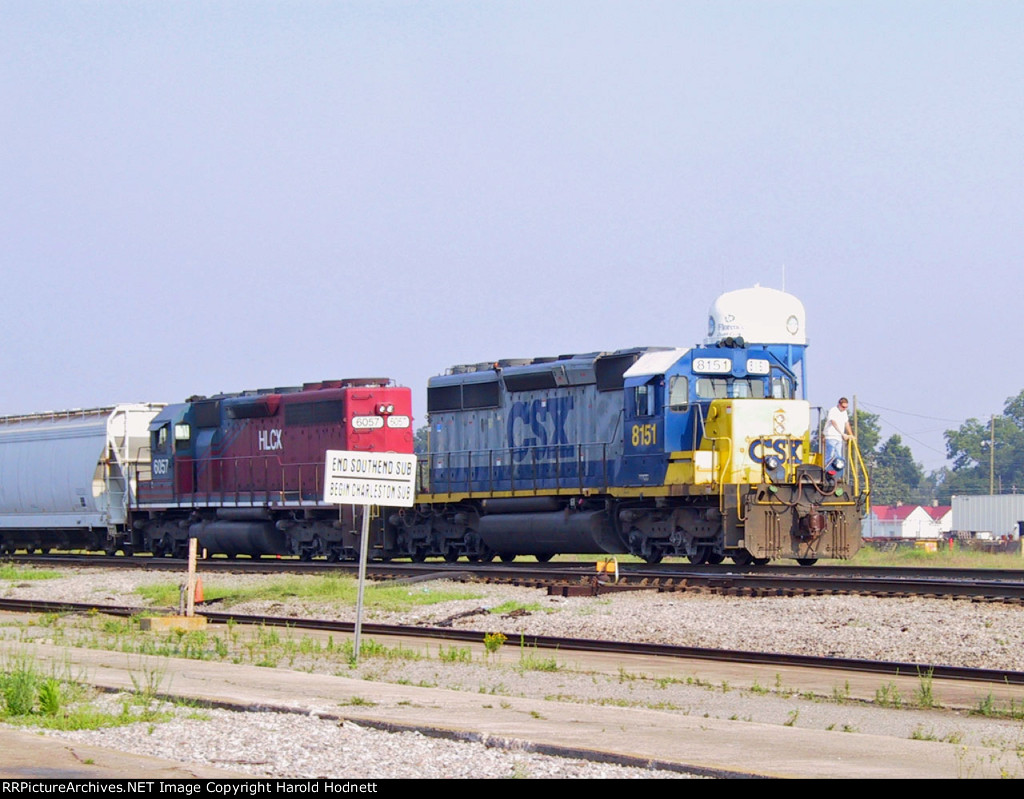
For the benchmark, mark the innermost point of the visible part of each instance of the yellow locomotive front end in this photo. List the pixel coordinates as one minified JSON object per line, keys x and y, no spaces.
{"x":777,"y":499}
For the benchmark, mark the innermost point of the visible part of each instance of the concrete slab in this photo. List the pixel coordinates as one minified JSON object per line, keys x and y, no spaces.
{"x":615,"y":734}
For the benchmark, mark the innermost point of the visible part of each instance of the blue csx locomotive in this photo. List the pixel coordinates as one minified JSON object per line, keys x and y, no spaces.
{"x":703,"y":452}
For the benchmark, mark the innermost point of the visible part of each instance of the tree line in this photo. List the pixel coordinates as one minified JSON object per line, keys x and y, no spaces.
{"x":981,"y":453}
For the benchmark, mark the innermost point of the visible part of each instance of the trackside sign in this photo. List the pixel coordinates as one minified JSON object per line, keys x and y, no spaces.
{"x":370,"y":478}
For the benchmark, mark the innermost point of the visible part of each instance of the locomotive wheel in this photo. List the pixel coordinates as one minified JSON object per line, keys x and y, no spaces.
{"x":166,"y":547}
{"x":306,"y":553}
{"x":507,"y":557}
{"x":654,"y":556}
{"x":30,"y":550}
{"x":451,"y":554}
{"x":419,"y":555}
{"x":486,"y":555}
{"x":806,"y":561}
{"x":742,"y":558}
{"x":700,"y":555}
{"x":543,"y":558}
{"x":762,"y":561}
{"x":714,"y":558}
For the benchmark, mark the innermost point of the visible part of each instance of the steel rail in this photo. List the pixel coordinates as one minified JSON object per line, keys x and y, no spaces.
{"x":978,"y":584}
{"x":887,"y":668}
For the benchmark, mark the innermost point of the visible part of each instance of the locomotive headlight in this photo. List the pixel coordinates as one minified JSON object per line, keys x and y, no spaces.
{"x":773,"y":467}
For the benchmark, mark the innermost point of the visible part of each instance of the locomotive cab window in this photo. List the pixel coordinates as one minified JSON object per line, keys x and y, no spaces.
{"x":182,"y":433}
{"x":712,"y":388}
{"x":782,"y":386}
{"x":160,"y":439}
{"x":752,"y":387}
{"x":679,"y":393}
{"x":644,"y":400}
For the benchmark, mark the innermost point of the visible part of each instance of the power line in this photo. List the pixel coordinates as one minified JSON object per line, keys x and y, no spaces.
{"x":908,"y":413}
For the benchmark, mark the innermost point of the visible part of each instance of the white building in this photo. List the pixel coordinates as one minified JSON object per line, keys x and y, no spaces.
{"x":907,"y":521}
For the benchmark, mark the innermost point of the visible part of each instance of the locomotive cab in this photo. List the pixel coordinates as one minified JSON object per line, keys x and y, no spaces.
{"x":170,"y":441}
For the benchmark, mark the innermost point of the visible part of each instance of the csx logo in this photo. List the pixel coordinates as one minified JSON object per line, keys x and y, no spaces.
{"x":537,"y":424}
{"x":786,"y":448}
{"x":268,"y":440}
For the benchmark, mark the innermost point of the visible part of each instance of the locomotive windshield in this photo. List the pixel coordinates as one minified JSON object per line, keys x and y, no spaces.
{"x":745,"y":387}
{"x":730,"y":387}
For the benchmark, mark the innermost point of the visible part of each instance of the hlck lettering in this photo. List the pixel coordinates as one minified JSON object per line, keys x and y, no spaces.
{"x":269,"y":440}
{"x":534,"y":425}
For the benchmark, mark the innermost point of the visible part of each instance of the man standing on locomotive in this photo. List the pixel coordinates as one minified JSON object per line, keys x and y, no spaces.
{"x":837,"y":431}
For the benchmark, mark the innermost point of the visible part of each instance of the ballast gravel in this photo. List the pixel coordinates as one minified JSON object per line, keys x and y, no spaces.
{"x":928,"y":631}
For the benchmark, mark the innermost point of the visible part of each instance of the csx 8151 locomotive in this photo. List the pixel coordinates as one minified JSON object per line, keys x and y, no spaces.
{"x":703,"y":452}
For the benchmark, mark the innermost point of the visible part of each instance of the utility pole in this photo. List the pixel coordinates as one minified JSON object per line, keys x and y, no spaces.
{"x":992,"y":458}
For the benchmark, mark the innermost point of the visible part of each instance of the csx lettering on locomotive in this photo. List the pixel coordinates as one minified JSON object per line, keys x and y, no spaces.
{"x":534,"y":425}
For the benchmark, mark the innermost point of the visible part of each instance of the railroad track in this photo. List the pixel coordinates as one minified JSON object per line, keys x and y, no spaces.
{"x":884,"y":668}
{"x":581,"y":578}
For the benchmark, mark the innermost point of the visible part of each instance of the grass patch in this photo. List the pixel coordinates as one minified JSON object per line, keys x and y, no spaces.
{"x":30,"y":698}
{"x":358,"y":701}
{"x":9,"y":572}
{"x":943,"y":558}
{"x":512,"y":606}
{"x":338,"y":589}
{"x":454,"y":654}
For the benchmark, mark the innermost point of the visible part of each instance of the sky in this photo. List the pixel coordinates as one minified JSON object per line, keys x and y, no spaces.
{"x":216,"y":196}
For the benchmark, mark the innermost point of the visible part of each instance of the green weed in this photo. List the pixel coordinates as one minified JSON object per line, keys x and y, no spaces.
{"x":454,"y":654}
{"x":888,"y":696}
{"x":925,"y":697}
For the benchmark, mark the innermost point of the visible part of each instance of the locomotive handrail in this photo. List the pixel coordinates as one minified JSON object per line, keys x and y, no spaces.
{"x":862,"y":470}
{"x":527,"y":476}
{"x":210,"y":484}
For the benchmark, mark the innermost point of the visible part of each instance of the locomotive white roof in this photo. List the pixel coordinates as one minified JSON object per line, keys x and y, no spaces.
{"x":655,"y":363}
{"x":758,"y":315}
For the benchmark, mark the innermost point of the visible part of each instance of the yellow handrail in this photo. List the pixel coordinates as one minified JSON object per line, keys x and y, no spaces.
{"x":859,"y":468}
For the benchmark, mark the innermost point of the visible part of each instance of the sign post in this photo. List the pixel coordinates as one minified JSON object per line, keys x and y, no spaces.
{"x":368,"y":478}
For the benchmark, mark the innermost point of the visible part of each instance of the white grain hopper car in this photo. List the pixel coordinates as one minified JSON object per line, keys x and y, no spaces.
{"x":67,"y":479}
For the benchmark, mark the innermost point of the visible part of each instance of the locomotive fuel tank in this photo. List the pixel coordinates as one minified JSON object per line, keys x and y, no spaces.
{"x":550,"y":533}
{"x":236,"y":537}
